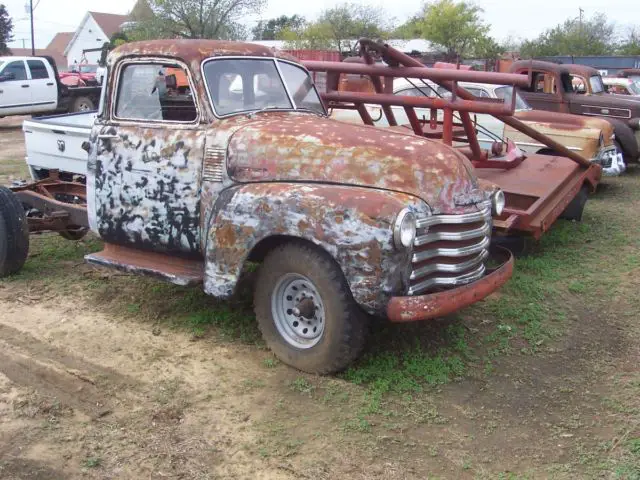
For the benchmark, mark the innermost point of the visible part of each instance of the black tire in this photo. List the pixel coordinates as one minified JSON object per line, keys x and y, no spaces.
{"x":82,"y":104}
{"x":575,"y":209}
{"x":345,"y":325}
{"x":14,"y":233}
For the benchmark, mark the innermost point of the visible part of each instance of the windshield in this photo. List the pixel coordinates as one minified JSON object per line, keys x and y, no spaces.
{"x":88,"y":68}
{"x":596,"y":84}
{"x":634,"y":88}
{"x":506,"y":92}
{"x":247,"y":85}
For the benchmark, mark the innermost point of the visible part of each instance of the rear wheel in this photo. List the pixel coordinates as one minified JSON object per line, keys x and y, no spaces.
{"x":82,"y":104}
{"x":14,"y":233}
{"x":306,"y":312}
{"x":575,"y":209}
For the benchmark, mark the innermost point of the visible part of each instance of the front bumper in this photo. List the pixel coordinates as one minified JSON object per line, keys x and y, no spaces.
{"x":434,"y":305}
{"x":611,"y":161}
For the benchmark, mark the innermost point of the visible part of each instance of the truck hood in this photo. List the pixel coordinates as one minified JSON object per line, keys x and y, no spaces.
{"x":300,"y":147}
{"x":567,"y":124}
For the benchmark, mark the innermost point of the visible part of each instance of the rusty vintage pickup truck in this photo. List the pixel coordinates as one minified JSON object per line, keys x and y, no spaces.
{"x":246,"y":166}
{"x":579,"y":89}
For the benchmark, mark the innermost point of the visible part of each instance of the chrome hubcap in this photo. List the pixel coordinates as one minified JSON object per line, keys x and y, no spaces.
{"x":298,"y":311}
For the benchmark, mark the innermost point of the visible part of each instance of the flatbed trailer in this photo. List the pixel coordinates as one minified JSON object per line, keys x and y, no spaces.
{"x":538,"y":188}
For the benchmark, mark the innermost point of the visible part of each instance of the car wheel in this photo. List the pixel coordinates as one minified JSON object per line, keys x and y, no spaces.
{"x":14,"y":233}
{"x":82,"y":104}
{"x":306,"y":312}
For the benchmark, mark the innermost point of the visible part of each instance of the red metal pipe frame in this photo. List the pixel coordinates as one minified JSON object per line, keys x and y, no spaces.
{"x":394,"y":56}
{"x":417,"y":102}
{"x":419,"y":71}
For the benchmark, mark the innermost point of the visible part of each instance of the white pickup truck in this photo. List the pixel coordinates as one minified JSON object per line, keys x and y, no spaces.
{"x":31,"y":86}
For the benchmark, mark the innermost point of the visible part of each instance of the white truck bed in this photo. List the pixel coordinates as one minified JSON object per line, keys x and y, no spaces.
{"x":55,"y":142}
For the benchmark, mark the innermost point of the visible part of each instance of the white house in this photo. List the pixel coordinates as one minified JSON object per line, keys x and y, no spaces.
{"x":94,"y":30}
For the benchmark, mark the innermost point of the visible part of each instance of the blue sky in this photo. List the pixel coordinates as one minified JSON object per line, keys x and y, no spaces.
{"x":506,"y":17}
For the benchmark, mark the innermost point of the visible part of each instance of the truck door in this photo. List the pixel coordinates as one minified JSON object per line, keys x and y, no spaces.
{"x":44,"y":92}
{"x":149,"y":154}
{"x":15,"y":91}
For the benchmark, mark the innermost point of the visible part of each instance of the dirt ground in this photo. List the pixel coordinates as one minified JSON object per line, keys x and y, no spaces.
{"x":101,"y":376}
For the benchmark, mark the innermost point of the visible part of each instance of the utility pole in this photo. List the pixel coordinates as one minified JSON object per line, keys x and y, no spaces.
{"x":581,"y":14}
{"x":33,"y":42}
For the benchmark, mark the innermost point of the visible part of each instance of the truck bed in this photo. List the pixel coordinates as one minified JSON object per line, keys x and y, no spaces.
{"x":55,"y":142}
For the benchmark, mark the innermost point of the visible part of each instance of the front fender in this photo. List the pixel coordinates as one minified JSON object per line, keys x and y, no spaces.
{"x":352,"y":224}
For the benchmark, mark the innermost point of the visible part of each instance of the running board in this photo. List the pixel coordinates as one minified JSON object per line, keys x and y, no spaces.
{"x":169,"y":268}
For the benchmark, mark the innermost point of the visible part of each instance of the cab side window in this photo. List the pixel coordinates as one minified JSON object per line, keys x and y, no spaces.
{"x":543,"y":82}
{"x":38,"y":69}
{"x":574,"y":84}
{"x":15,"y":71}
{"x":154,"y":92}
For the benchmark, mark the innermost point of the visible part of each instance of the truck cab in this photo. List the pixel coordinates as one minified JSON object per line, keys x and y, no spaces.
{"x":27,"y":86}
{"x":193,"y":185}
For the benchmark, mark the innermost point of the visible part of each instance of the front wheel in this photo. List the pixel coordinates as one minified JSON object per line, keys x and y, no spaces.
{"x":306,"y":312}
{"x":14,"y":233}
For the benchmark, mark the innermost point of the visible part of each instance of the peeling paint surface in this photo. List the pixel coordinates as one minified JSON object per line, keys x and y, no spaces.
{"x":304,"y":147}
{"x":353,"y":225}
{"x":147,"y":187}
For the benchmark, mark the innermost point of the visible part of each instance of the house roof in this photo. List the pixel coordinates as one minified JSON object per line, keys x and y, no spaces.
{"x":60,"y":42}
{"x":58,"y":57}
{"x":109,"y":22}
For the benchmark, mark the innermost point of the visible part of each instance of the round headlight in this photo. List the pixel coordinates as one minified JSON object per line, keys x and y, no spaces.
{"x":404,"y":229}
{"x":498,"y":202}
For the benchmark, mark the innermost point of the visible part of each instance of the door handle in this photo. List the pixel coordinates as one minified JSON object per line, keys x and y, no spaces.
{"x":25,"y":86}
{"x":50,"y":84}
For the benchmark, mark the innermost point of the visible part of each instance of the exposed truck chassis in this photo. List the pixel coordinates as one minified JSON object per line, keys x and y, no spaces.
{"x":538,"y":188}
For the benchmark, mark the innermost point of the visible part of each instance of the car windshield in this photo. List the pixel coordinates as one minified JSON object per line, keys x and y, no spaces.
{"x":88,"y":68}
{"x":248,"y":85}
{"x":634,"y":88}
{"x":506,"y":92}
{"x":596,"y":84}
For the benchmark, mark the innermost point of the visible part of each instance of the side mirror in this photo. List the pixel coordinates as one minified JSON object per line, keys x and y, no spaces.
{"x":4,"y":77}
{"x":86,"y":146}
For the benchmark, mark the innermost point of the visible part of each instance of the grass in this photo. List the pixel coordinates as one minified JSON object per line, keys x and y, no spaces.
{"x":92,"y":462}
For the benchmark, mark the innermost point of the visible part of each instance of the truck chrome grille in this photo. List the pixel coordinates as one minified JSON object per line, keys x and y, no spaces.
{"x":450,"y":250}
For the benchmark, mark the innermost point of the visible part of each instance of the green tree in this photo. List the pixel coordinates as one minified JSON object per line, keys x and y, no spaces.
{"x":453,"y":26}
{"x":271,"y":29}
{"x":6,"y":30}
{"x":217,"y":19}
{"x":339,"y":27}
{"x":630,"y":45}
{"x":594,"y":36}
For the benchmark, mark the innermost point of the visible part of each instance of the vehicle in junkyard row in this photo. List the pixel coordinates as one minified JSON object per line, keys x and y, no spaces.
{"x":578,"y":89}
{"x":244,"y":166}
